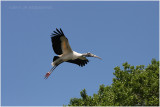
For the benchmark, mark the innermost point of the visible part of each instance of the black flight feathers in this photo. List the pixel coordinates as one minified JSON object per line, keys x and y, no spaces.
{"x":56,"y":41}
{"x":79,"y":62}
{"x":57,"y":33}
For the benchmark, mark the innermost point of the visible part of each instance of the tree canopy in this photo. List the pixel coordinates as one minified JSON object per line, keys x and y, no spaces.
{"x":132,"y":86}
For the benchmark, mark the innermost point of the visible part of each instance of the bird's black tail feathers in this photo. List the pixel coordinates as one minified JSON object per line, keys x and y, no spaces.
{"x":55,"y":58}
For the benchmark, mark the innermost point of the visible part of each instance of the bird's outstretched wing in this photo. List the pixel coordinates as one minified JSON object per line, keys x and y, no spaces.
{"x":60,"y":43}
{"x":79,"y":62}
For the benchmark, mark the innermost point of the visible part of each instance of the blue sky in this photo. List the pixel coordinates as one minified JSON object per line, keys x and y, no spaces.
{"x":116,"y":31}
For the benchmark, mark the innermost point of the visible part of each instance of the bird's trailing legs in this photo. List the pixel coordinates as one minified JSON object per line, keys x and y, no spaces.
{"x":49,"y":73}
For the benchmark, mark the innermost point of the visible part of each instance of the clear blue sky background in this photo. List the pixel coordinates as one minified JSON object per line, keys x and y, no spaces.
{"x":116,"y":31}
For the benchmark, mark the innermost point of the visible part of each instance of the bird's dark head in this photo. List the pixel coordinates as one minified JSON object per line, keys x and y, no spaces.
{"x":90,"y":55}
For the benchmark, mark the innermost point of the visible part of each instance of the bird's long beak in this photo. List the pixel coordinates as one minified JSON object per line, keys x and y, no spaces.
{"x":97,"y":57}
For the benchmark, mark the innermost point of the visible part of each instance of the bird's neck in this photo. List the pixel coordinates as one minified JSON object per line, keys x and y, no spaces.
{"x":85,"y":55}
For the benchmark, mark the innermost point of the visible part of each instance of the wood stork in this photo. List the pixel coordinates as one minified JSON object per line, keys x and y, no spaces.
{"x":62,"y":48}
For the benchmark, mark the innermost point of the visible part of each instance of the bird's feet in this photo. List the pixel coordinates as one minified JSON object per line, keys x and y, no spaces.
{"x":47,"y":75}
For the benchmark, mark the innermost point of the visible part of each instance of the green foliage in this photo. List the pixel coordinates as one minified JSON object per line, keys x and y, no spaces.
{"x":132,"y":86}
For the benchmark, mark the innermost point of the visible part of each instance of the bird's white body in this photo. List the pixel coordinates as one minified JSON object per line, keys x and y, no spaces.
{"x":68,"y":56}
{"x":72,"y":55}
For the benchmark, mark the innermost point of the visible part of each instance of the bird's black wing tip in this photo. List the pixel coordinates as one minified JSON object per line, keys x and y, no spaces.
{"x":58,"y":32}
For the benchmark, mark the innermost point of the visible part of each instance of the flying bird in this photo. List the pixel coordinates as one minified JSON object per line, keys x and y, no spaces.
{"x":64,"y":52}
